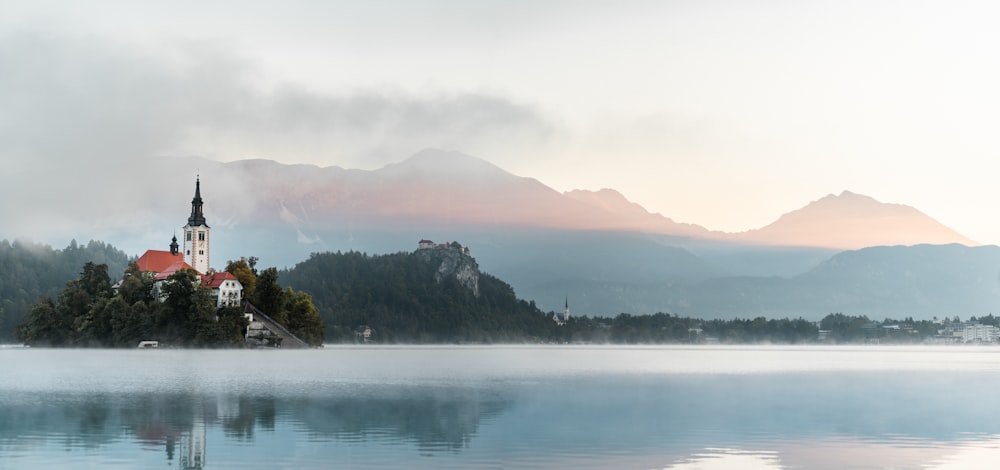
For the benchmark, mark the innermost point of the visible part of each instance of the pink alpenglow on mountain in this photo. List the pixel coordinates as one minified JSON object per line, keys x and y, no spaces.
{"x":852,"y":221}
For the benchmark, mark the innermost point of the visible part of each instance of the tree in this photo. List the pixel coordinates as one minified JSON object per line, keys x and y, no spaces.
{"x":130,"y":323}
{"x":136,"y":286}
{"x":95,"y":281}
{"x":244,"y":270}
{"x":270,"y":296}
{"x":44,"y":326}
{"x":187,"y":310}
{"x":303,"y":317}
{"x":227,"y":330}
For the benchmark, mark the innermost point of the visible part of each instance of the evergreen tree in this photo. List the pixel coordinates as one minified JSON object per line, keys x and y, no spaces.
{"x":187,"y":312}
{"x":303,"y":317}
{"x":269,"y":296}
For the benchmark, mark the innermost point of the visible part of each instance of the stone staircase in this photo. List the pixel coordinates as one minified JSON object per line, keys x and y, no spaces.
{"x":263,"y":331}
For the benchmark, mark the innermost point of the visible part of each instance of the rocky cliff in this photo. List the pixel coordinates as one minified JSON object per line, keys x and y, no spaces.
{"x":453,"y":261}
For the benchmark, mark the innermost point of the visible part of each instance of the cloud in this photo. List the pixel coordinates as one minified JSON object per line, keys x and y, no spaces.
{"x":85,"y":119}
{"x":68,"y":98}
{"x":369,"y":129}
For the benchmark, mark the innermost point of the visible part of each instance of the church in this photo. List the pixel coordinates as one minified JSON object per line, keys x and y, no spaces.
{"x":226,"y":288}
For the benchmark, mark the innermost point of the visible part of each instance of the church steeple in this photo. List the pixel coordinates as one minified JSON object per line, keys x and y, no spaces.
{"x":197,"y":216}
{"x":174,"y":248}
{"x":196,"y":234}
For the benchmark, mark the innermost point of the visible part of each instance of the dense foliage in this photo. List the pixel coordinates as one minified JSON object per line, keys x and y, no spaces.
{"x":835,"y":328}
{"x":293,"y":310}
{"x":29,"y":271}
{"x":88,"y":313}
{"x":667,"y":328}
{"x":397,"y":295}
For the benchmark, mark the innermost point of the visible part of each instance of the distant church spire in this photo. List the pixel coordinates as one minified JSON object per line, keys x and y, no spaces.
{"x":174,"y":248}
{"x":197,"y":216}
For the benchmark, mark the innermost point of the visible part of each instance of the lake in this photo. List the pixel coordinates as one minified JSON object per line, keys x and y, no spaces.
{"x":374,"y":407}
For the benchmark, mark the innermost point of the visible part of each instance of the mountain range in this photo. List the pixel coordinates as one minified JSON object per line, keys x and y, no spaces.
{"x":604,"y":252}
{"x":452,"y":188}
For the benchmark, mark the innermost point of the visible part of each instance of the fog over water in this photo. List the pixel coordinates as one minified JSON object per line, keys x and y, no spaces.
{"x":501,"y":407}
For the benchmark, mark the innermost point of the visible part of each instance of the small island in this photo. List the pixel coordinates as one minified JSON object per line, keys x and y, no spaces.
{"x":174,"y":298}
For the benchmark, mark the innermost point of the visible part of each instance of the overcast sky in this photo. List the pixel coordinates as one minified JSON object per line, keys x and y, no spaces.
{"x":720,"y":113}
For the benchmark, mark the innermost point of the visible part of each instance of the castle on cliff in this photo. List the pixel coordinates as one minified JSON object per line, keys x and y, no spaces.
{"x":430,"y":245}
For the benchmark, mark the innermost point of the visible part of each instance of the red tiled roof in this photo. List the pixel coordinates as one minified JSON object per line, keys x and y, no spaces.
{"x":214,"y":280}
{"x":157,"y":260}
{"x":173,"y":268}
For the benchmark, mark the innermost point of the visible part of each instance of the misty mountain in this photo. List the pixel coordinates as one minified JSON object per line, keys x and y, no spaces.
{"x":443,"y":187}
{"x":450,"y":188}
{"x":852,"y":221}
{"x":921,"y":281}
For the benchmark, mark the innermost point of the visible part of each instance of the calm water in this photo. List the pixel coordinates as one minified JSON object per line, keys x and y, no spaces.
{"x":502,"y":407}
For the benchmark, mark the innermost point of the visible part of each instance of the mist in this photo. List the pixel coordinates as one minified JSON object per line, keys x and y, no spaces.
{"x":87,"y":122}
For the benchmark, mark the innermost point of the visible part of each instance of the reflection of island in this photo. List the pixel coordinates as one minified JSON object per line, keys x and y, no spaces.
{"x":182,"y":424}
{"x":800,"y":420}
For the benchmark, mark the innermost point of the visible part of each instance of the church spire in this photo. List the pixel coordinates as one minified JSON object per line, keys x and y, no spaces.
{"x":197,"y":216}
{"x":196,"y":234}
{"x":174,"y":248}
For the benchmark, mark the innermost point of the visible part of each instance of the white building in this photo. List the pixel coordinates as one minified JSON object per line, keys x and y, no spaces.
{"x":226,"y":288}
{"x":979,"y":333}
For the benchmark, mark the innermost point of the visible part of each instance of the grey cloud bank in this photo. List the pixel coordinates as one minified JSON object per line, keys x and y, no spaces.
{"x":85,"y":119}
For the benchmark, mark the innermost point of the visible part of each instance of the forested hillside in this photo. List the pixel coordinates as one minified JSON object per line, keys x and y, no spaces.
{"x":29,"y":271}
{"x":397,"y":295}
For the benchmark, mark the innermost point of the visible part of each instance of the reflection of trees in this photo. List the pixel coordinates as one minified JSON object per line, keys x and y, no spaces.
{"x":250,"y":412}
{"x":433,"y":418}
{"x":74,"y":421}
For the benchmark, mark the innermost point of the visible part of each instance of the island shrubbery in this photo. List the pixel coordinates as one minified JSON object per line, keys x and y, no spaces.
{"x":88,"y":313}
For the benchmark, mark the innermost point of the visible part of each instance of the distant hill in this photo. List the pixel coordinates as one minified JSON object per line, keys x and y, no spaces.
{"x":426,"y":296}
{"x":921,"y":281}
{"x":851,"y":221}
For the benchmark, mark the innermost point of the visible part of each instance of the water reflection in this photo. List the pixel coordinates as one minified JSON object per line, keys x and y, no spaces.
{"x":324,"y":412}
{"x":430,"y":419}
{"x":719,"y":459}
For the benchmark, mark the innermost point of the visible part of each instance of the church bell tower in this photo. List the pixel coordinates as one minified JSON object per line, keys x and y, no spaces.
{"x":196,"y":234}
